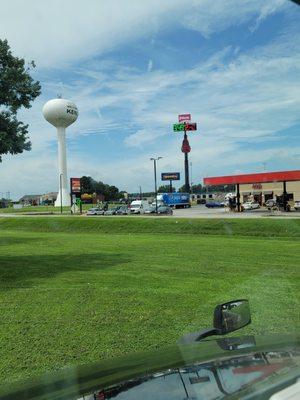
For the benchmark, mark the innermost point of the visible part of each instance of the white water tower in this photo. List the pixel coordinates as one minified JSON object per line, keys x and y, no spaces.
{"x":61,"y":113}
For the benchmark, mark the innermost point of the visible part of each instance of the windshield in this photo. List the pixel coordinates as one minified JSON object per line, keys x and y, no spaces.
{"x":149,"y":172}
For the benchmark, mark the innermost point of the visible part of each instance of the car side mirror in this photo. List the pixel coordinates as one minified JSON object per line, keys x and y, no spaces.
{"x":229,"y":317}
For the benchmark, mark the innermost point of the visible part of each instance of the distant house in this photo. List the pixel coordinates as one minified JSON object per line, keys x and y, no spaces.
{"x":30,"y":199}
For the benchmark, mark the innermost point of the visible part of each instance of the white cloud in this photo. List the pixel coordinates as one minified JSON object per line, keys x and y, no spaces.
{"x":150,"y":65}
{"x":218,"y":15}
{"x":59,"y":32}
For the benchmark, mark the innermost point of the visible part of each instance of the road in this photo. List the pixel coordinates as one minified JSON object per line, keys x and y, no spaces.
{"x":199,"y":211}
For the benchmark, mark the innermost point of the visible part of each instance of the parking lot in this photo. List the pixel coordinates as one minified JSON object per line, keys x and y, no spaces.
{"x":200,"y":211}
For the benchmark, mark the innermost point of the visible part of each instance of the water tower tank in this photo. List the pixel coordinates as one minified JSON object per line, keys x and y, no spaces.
{"x":60,"y":112}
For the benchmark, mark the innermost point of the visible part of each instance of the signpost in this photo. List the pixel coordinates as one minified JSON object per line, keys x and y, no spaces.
{"x":170,"y":176}
{"x":185,"y":125}
{"x":75,"y":185}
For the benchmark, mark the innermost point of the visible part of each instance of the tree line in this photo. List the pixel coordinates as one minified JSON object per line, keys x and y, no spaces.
{"x":90,"y":186}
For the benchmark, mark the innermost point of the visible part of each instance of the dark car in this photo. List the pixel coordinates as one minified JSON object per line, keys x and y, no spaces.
{"x":214,"y":204}
{"x":112,"y":211}
{"x":165,"y":210}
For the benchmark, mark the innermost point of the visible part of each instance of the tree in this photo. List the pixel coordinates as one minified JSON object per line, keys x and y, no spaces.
{"x":197,"y":188}
{"x":165,"y":189}
{"x":17,"y":89}
{"x":182,"y":189}
{"x":88,"y":184}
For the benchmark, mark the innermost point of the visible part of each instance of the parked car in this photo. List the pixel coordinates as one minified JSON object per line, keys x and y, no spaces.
{"x":139,"y":206}
{"x":112,"y":211}
{"x":151,"y":210}
{"x":297,"y":205}
{"x":250,"y":205}
{"x":165,"y":210}
{"x":122,"y":210}
{"x":271,"y":204}
{"x":95,"y":211}
{"x":214,"y":204}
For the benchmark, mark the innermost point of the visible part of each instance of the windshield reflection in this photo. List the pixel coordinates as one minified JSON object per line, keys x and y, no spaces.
{"x":209,"y":381}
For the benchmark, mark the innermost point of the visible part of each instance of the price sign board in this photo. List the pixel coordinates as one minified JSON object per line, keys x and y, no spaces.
{"x":170,"y":176}
{"x":191,"y":126}
{"x":178,"y":127}
{"x":75,"y":185}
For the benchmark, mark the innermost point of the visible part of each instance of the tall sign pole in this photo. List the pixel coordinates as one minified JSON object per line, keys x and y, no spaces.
{"x":185,"y":125}
{"x":185,"y":148}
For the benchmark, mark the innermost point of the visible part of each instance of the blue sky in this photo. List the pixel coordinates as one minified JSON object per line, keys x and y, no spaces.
{"x":133,"y":66}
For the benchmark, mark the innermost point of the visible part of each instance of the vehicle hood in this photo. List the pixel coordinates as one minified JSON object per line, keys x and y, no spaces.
{"x":251,"y":359}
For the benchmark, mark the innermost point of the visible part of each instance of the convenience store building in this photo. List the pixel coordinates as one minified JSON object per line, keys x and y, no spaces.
{"x":284,"y":186}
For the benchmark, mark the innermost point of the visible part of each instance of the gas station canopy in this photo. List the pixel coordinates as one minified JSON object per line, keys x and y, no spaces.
{"x":263,"y":177}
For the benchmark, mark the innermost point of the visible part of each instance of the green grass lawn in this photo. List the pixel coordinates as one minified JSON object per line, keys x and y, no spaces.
{"x":46,"y":209}
{"x":77,"y":290}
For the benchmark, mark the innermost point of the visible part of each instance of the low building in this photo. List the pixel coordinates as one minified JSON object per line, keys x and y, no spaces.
{"x":30,"y":199}
{"x":261,"y":192}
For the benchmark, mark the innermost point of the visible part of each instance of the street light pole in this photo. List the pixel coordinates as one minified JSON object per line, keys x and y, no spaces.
{"x":155,"y":181}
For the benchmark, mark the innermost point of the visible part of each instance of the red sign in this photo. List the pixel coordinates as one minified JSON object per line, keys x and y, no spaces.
{"x":185,"y":148}
{"x":191,"y":126}
{"x":184,"y":117}
{"x":75,"y":185}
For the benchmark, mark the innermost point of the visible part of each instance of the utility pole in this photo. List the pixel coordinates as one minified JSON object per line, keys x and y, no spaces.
{"x":155,"y":180}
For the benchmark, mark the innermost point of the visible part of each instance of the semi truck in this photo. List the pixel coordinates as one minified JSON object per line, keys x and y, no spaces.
{"x":176,"y":200}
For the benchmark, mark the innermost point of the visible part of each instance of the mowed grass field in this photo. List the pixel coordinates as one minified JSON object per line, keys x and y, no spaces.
{"x":77,"y":290}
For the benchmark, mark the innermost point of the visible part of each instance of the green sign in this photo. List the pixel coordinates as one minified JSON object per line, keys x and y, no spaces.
{"x":178,"y":127}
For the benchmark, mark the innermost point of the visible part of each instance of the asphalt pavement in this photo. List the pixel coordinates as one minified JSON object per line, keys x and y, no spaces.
{"x":200,"y":211}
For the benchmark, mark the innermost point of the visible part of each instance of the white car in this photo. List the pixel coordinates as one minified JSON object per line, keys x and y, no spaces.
{"x":95,"y":211}
{"x":297,"y":205}
{"x":139,"y":206}
{"x":250,"y":205}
